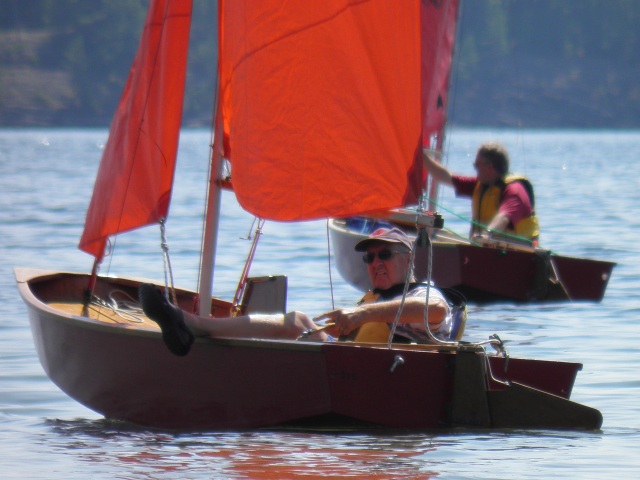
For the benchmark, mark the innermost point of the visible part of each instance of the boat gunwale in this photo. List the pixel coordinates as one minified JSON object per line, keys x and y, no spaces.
{"x":26,"y":277}
{"x":443,"y":239}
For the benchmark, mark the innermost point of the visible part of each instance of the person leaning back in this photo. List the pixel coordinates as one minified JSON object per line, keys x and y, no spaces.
{"x":387,"y":253}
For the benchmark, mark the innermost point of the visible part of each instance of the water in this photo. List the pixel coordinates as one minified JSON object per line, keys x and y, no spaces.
{"x":588,"y":203}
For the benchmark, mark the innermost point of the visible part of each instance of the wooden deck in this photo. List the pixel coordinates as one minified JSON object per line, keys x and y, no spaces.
{"x":133,"y":317}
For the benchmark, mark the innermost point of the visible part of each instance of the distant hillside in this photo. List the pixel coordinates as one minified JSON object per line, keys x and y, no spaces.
{"x":533,"y":63}
{"x":540,"y":91}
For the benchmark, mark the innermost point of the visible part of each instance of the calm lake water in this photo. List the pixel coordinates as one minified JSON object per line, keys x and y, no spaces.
{"x":588,"y":201}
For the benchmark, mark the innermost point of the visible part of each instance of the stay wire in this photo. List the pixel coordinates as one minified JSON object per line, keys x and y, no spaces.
{"x":506,"y":236}
{"x":329,"y":265}
{"x":168,"y":272}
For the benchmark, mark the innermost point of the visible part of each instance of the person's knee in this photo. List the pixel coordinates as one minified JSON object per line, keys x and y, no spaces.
{"x":296,"y":316}
{"x":299,"y":319}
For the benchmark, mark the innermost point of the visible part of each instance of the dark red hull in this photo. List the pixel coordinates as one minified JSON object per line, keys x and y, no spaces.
{"x":487,"y":274}
{"x":483,"y":273}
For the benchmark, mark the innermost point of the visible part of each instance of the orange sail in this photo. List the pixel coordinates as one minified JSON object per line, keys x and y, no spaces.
{"x":438,"y":36}
{"x":323,"y":102}
{"x":134,"y":181}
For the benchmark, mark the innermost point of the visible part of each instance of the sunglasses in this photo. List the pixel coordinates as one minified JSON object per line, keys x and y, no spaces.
{"x":383,"y":255}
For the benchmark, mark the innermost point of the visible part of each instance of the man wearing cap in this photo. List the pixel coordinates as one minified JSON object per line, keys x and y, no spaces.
{"x":388,"y":259}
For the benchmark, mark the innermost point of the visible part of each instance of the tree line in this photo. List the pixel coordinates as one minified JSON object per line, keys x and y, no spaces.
{"x":65,"y":61}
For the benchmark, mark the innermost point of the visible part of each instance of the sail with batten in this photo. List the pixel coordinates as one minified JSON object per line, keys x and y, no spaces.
{"x":323,"y":102}
{"x":135,"y":177}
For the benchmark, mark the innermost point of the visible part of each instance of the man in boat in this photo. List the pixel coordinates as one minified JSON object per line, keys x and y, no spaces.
{"x":501,"y":202}
{"x":388,"y":258}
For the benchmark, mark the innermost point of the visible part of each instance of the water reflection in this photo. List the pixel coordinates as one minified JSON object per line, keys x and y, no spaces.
{"x":253,"y":454}
{"x":126,"y":451}
{"x":41,"y":226}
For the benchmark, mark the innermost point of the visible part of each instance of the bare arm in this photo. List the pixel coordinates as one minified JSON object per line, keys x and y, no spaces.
{"x":436,"y":169}
{"x":347,"y":320}
{"x":499,"y":222}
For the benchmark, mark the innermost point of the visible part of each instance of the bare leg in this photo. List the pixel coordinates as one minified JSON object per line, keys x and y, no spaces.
{"x":179,"y":327}
{"x":288,"y":326}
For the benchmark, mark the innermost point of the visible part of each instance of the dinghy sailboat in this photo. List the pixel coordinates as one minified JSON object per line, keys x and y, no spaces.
{"x":296,"y":80}
{"x":496,"y":269}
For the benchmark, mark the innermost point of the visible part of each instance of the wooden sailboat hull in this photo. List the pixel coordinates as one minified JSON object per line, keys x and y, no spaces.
{"x":123,"y":370}
{"x":115,"y":362}
{"x":486,"y":274}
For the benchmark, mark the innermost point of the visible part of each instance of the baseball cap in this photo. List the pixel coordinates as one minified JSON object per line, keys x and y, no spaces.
{"x":384,"y":235}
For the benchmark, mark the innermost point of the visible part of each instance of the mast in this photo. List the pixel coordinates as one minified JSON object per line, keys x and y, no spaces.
{"x":210,"y":235}
{"x":214,"y":196}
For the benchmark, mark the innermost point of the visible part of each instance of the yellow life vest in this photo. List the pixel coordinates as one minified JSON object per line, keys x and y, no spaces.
{"x":378,"y":332}
{"x":486,"y":202}
{"x":372,"y":332}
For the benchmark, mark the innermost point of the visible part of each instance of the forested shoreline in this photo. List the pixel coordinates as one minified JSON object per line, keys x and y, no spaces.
{"x":519,"y":63}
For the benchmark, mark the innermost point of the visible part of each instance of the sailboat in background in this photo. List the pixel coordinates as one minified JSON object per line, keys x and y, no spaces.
{"x":294,"y":87}
{"x":494,"y":271}
{"x":505,"y":269}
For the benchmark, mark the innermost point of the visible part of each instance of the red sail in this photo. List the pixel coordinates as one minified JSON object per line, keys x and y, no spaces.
{"x":321,"y":103}
{"x":133,"y":186}
{"x":439,"y":18}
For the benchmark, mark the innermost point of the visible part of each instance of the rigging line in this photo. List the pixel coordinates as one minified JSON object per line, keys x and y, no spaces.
{"x":557,"y":277}
{"x":237,"y":300}
{"x":430,"y":334}
{"x":249,"y":232}
{"x":168,"y":272}
{"x":407,"y":281}
{"x":128,"y":309}
{"x":109,"y":249}
{"x":437,"y":204}
{"x":329,"y":265}
{"x":507,"y":236}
